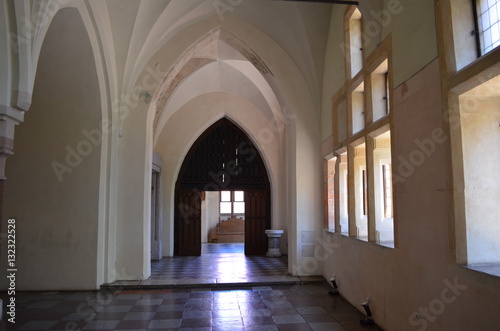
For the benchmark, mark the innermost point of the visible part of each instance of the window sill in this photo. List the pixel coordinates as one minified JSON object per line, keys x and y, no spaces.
{"x":474,"y":69}
{"x":362,"y":238}
{"x":489,"y":269}
{"x":387,"y":244}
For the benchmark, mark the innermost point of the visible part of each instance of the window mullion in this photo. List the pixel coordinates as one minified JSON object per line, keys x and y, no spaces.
{"x":476,"y":26}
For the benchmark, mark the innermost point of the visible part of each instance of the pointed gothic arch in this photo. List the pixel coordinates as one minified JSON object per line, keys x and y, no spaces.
{"x":222,"y":158}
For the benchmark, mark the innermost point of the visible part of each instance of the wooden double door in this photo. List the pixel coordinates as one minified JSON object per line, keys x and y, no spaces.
{"x":223,"y":158}
{"x":188,"y":222}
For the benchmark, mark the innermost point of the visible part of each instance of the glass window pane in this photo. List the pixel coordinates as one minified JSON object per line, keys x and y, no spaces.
{"x":239,"y":196}
{"x":485,"y":21}
{"x":493,"y":16}
{"x":494,"y":33}
{"x":483,"y":5}
{"x":487,"y":38}
{"x":239,"y":207}
{"x":225,"y":196}
{"x":225,"y":207}
{"x":489,"y":30}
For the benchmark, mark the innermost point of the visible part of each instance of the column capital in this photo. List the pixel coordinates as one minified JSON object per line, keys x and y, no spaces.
{"x":11,"y":113}
{"x":9,"y":118}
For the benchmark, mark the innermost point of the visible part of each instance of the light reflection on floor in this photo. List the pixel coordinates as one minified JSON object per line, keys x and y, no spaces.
{"x":221,"y":263}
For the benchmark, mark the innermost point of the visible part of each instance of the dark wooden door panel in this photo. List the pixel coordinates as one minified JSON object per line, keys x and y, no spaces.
{"x":257,"y":221}
{"x":189,"y":223}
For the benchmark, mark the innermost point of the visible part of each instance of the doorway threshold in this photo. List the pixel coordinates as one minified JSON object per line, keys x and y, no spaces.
{"x":211,"y":282}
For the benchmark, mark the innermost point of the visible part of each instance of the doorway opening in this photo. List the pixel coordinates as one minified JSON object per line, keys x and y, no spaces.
{"x":222,"y":193}
{"x":223,"y":217}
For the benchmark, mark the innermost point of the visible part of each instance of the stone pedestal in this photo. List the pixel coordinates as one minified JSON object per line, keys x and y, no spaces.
{"x":274,"y":242}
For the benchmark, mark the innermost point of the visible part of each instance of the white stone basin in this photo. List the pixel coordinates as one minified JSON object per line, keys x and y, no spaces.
{"x":274,"y":233}
{"x":273,"y":247}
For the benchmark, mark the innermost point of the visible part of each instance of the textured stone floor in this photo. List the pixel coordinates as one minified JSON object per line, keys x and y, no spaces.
{"x":277,"y":307}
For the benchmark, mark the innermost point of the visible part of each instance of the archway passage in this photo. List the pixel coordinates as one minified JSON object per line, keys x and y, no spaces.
{"x":223,"y":158}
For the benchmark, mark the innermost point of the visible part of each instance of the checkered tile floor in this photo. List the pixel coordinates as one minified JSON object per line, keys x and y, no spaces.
{"x":222,"y":263}
{"x":279,"y":307}
{"x":219,"y":264}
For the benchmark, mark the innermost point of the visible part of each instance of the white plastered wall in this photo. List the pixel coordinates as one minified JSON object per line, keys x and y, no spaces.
{"x":56,"y":206}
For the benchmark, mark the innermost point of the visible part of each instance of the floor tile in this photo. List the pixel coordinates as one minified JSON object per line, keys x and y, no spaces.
{"x":128,"y":297}
{"x":227,"y":313}
{"x":197,"y":314}
{"x":68,"y":325}
{"x":255,"y":312}
{"x":261,"y":328}
{"x":278,"y":304}
{"x":144,"y":308}
{"x":196,"y":323}
{"x":258,"y":320}
{"x":165,"y":308}
{"x":37,"y":325}
{"x":310,"y":310}
{"x":294,"y":327}
{"x":134,"y":324}
{"x":101,"y":325}
{"x":319,"y":318}
{"x":331,"y":326}
{"x":43,"y":305}
{"x":165,"y":324}
{"x":227,"y":322}
{"x":110,"y":316}
{"x":147,"y":302}
{"x":135,"y":316}
{"x":288,"y":319}
{"x":118,"y":309}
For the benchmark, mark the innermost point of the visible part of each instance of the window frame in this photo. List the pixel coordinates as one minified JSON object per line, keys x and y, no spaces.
{"x":349,"y":42}
{"x":232,"y":200}
{"x":476,"y":28}
{"x":362,"y":207}
{"x":479,"y":32}
{"x":387,"y":187}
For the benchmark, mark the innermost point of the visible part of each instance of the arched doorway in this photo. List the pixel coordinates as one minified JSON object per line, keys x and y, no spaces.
{"x":223,"y":158}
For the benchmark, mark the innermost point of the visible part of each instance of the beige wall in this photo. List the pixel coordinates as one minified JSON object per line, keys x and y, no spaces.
{"x":481,"y":141}
{"x":412,"y":27}
{"x":418,"y":285}
{"x":57,"y":217}
{"x":413,"y":277}
{"x":209,"y":216}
